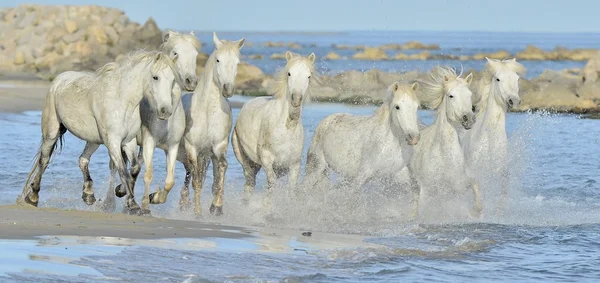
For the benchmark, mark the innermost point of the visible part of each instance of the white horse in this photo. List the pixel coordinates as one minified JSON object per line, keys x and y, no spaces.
{"x":363,"y":147}
{"x":486,"y":145}
{"x":268,"y":132}
{"x":208,"y":123}
{"x":181,"y":48}
{"x":438,"y":160}
{"x":103,"y":109}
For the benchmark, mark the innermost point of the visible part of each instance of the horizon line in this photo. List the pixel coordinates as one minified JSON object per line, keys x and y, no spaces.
{"x":391,"y":31}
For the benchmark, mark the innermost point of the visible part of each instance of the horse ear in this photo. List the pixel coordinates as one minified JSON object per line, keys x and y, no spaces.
{"x":312,"y":57}
{"x":240,"y":42}
{"x":167,"y":35}
{"x":158,"y":56}
{"x":288,"y":55}
{"x":469,"y":78}
{"x":192,"y":32}
{"x":446,"y":79}
{"x":216,"y":41}
{"x":415,"y":86}
{"x":395,"y":86}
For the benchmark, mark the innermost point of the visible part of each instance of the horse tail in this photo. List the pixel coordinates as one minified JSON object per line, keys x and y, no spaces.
{"x":37,"y":158}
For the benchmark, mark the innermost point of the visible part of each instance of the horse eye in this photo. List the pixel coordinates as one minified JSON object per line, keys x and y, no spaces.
{"x":289,"y":75}
{"x":174,"y":53}
{"x":451,"y":96}
{"x":397,"y":107}
{"x":217,"y":60}
{"x":497,"y":79}
{"x":155,"y":78}
{"x":309,"y":77}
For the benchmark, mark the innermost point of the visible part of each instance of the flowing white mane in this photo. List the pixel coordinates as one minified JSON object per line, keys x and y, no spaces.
{"x":174,"y":38}
{"x":434,"y":86}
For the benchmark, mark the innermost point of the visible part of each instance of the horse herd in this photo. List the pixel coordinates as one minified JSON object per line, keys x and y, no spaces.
{"x":137,"y":101}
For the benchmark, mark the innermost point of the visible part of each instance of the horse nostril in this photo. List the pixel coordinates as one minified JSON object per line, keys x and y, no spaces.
{"x":163,"y":110}
{"x":465,"y":118}
{"x":510,"y":102}
{"x":187,"y":81}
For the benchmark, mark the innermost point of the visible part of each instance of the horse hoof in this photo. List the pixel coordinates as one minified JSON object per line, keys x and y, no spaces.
{"x":30,"y":202}
{"x":119,"y":193}
{"x":152,"y":200}
{"x":89,"y":199}
{"x":134,"y":211}
{"x":216,"y":210}
{"x":145,"y":212}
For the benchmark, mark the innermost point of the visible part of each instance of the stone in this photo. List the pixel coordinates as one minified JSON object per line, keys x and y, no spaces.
{"x":371,"y":53}
{"x":71,"y":26}
{"x":332,"y":56}
{"x":277,"y":56}
{"x":19,"y":58}
{"x":98,"y":34}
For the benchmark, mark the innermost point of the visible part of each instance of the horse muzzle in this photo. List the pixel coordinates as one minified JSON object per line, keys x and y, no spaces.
{"x":296,"y":99}
{"x":413,"y":139}
{"x":468,"y":121}
{"x":513,"y":102}
{"x":228,"y":90}
{"x":164,"y":113}
{"x":190,"y":83}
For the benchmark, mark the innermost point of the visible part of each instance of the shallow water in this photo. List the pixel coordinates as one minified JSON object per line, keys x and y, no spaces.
{"x":549,"y":231}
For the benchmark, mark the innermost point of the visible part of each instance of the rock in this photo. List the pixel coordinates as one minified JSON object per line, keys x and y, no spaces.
{"x":247,"y":72}
{"x":293,"y":45}
{"x":555,"y":97}
{"x":256,"y":56}
{"x":400,"y":56}
{"x":371,"y":53}
{"x":19,"y":58}
{"x":502,"y":54}
{"x":72,"y":38}
{"x":591,"y":69}
{"x":273,"y":44}
{"x":97,"y":32}
{"x":531,"y":53}
{"x":71,"y":26}
{"x":418,"y":45}
{"x":277,"y":56}
{"x":149,"y":33}
{"x":332,"y":56}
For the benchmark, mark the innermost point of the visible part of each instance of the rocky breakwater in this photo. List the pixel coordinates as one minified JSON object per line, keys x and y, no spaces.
{"x":48,"y":40}
{"x":568,"y":91}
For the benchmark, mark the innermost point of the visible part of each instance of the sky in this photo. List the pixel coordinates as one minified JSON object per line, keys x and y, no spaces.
{"x":358,"y":15}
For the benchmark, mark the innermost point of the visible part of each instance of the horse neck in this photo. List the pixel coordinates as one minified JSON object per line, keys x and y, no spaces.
{"x":207,"y":90}
{"x":443,"y":126}
{"x":139,"y":83}
{"x":494,"y":113}
{"x":292,"y":114}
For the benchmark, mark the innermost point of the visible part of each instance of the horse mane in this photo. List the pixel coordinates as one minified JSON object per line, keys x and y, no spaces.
{"x":134,"y":58}
{"x":433,"y":87}
{"x":279,"y":88}
{"x":176,"y":37}
{"x":491,"y":68}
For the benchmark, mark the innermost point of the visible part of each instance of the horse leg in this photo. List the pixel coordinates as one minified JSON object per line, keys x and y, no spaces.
{"x":161,"y":196}
{"x":136,"y":167}
{"x":184,"y":201}
{"x":250,"y":168}
{"x":88,"y":184}
{"x":108,"y":205}
{"x":477,"y":197}
{"x":114,"y":150}
{"x":406,"y":176}
{"x":219,"y":168}
{"x":198,"y":169}
{"x":31,"y":190}
{"x":128,"y":154}
{"x":147,"y":153}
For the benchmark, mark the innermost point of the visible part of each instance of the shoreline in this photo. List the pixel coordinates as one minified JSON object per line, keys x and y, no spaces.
{"x":22,"y":222}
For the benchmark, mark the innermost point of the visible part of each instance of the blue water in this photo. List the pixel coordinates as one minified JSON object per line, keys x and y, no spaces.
{"x":455,"y":43}
{"x":549,"y":232}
